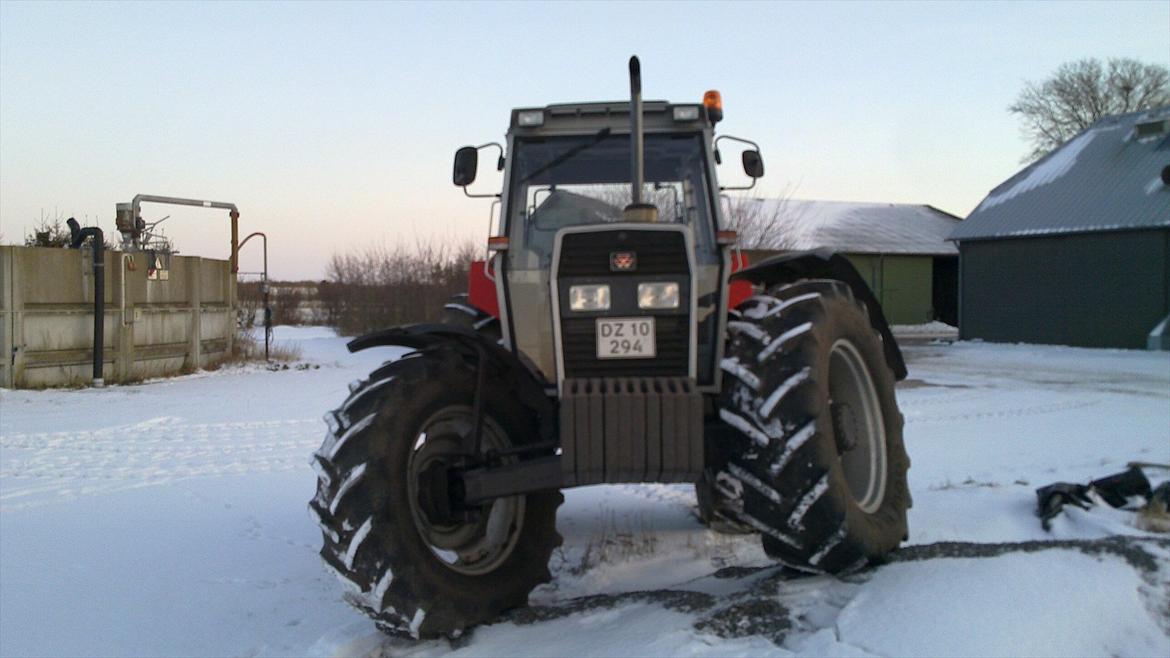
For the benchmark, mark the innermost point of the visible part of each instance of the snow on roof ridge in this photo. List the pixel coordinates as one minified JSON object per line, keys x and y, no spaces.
{"x":862,"y":226}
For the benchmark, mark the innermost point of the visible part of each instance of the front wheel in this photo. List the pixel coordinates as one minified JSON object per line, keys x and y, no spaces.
{"x":408,"y":561}
{"x":817,"y":444}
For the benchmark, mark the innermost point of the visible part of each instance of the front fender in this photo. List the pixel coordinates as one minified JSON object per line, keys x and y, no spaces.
{"x":827,"y":264}
{"x":524,"y":381}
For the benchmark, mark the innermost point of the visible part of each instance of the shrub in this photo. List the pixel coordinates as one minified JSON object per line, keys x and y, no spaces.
{"x":379,"y":286}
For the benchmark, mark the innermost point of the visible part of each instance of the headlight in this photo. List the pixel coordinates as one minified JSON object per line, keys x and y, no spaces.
{"x":530,"y":118}
{"x":589,"y":298}
{"x":686,"y":112}
{"x":657,"y":295}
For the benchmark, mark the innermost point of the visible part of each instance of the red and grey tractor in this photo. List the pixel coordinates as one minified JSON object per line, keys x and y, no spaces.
{"x":615,"y":335}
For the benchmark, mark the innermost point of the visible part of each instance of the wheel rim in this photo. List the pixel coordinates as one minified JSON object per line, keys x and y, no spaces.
{"x":858,"y":425}
{"x":479,"y":544}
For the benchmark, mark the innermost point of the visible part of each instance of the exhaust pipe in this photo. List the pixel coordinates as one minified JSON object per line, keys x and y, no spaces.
{"x":78,"y":236}
{"x":637,"y":211}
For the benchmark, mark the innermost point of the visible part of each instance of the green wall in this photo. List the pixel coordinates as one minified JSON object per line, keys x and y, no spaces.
{"x":1092,"y":290}
{"x":901,"y":283}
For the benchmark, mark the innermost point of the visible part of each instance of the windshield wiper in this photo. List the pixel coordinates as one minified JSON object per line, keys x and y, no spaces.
{"x":567,"y":155}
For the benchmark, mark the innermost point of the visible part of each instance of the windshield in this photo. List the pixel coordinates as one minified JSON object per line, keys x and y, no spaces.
{"x":580,"y":180}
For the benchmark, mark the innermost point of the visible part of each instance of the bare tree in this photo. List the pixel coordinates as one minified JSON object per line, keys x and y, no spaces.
{"x":765,"y":223}
{"x":1081,"y":92}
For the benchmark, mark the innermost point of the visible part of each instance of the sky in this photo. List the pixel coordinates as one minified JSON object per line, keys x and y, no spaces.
{"x":333,"y":126}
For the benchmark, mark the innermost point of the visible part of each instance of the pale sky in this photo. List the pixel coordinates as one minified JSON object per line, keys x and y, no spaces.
{"x":333,"y":126}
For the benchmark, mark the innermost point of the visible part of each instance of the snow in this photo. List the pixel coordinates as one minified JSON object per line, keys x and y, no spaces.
{"x":169,"y":519}
{"x":1057,"y":164}
{"x":856,"y":227}
{"x":1051,"y":592}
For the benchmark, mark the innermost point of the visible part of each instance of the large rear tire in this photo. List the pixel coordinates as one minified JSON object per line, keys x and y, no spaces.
{"x":817,"y":447}
{"x":407,"y":564}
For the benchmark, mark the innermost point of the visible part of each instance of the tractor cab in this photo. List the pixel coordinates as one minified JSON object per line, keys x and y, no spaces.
{"x":569,"y":180}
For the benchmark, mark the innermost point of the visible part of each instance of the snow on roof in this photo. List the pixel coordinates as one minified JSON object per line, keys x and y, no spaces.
{"x":1106,"y":178}
{"x":861,"y":228}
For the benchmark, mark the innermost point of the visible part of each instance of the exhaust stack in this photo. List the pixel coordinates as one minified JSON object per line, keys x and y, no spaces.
{"x":637,"y":211}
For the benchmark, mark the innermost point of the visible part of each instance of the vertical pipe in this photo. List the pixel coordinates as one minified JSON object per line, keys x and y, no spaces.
{"x":79,"y":235}
{"x":99,"y":307}
{"x":636,"y":160}
{"x":235,"y":216}
{"x":267,"y":312}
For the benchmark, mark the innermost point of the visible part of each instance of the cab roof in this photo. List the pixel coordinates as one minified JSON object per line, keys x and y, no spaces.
{"x":586,"y":118}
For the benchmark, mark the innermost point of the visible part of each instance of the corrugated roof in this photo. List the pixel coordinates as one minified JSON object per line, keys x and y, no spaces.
{"x":1106,"y":178}
{"x":860,"y":228}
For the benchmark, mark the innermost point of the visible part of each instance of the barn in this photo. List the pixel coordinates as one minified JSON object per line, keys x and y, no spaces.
{"x":900,"y":249}
{"x":1075,"y":248}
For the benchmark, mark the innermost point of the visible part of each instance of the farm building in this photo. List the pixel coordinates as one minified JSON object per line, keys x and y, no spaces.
{"x":1075,"y":249}
{"x":900,"y":249}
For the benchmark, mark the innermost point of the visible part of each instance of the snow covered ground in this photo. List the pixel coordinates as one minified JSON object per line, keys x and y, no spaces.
{"x":169,"y":518}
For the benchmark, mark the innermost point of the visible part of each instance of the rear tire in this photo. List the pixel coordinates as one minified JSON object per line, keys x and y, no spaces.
{"x":816,"y":446}
{"x":414,"y":572}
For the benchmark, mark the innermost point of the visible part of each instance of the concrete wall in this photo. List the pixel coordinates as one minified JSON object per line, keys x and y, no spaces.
{"x":152,"y":327}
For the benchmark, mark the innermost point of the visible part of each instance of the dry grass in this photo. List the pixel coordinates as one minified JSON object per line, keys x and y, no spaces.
{"x":246,"y":348}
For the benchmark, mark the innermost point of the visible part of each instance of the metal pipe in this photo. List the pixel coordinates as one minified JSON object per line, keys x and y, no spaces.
{"x":98,"y":244}
{"x":234,"y":214}
{"x":636,"y":158}
{"x":263,"y":289}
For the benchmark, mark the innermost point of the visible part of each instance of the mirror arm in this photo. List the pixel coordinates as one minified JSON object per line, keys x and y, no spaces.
{"x":499,"y":160}
{"x":725,"y":188}
{"x":737,"y":139}
{"x":494,"y":195}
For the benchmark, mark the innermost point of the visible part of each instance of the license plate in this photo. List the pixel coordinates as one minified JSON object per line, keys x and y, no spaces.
{"x":625,"y":338}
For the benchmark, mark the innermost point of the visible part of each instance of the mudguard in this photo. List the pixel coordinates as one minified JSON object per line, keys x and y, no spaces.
{"x":827,"y":264}
{"x":522,"y":380}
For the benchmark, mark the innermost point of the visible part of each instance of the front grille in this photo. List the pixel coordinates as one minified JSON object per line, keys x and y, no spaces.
{"x":587,"y":254}
{"x":671,"y":336}
{"x":661,"y":255}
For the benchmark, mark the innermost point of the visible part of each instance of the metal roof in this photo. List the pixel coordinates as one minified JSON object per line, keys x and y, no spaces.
{"x":859,"y":228}
{"x":1107,"y":178}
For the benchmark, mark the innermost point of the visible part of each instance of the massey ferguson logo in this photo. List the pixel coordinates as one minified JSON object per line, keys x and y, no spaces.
{"x":623,"y":261}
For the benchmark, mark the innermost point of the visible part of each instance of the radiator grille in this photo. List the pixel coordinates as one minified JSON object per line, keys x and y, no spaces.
{"x":587,"y":254}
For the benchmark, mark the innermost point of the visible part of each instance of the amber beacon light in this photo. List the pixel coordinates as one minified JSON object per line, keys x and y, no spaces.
{"x":714,"y":104}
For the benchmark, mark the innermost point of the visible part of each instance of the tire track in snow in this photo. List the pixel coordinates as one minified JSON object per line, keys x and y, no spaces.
{"x":1011,"y":412}
{"x":37,"y":468}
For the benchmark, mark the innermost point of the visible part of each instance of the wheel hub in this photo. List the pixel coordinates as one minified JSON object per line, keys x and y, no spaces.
{"x":473,"y":540}
{"x":858,"y":425}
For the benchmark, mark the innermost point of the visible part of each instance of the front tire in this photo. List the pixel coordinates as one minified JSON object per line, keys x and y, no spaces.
{"x":817,"y":443}
{"x":412,"y":569}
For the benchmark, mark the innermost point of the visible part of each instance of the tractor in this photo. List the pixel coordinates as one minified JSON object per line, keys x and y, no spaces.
{"x":614,"y":334}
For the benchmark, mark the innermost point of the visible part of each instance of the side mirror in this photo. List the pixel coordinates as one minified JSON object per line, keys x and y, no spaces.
{"x":466,"y":164}
{"x":753,"y":164}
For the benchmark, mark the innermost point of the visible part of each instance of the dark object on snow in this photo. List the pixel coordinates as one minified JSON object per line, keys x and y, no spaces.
{"x":1113,"y":489}
{"x":1051,"y":499}
{"x":1116,"y":489}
